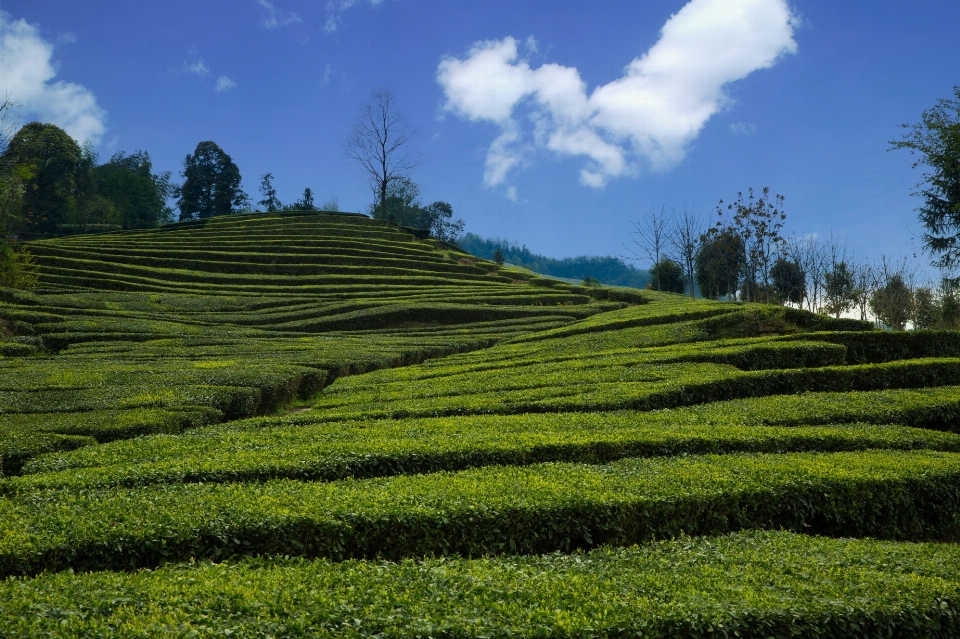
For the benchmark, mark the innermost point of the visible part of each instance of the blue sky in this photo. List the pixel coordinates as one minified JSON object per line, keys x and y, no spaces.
{"x":554,"y":124}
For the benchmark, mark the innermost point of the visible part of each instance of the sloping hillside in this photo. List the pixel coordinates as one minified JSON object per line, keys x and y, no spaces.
{"x":468,"y":454}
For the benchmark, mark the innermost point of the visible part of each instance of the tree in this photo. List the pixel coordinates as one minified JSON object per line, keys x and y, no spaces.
{"x":839,"y":289}
{"x":650,"y":236}
{"x":137,"y":195}
{"x":936,"y":138}
{"x":305,"y":203}
{"x":892,"y":303}
{"x":719,"y":263}
{"x":438,"y":218}
{"x":865,"y":282}
{"x":670,"y":275}
{"x":789,"y":281}
{"x":332,"y":205}
{"x":269,"y":201}
{"x":757,"y":220}
{"x":49,"y":156}
{"x":17,"y":268}
{"x":926,"y":309}
{"x":401,"y":204}
{"x":380,"y":143}
{"x":685,"y":238}
{"x":211,"y":184}
{"x":498,"y":257}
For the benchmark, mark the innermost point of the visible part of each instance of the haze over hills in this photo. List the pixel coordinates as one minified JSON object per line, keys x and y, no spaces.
{"x":612,"y":271}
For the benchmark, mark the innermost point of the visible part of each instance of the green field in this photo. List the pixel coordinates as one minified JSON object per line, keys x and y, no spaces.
{"x":311,"y":425}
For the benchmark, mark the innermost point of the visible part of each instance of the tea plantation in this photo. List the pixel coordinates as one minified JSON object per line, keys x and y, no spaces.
{"x":313,"y":425}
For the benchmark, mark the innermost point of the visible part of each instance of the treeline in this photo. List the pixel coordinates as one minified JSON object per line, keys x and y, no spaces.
{"x":51,"y":185}
{"x":608,"y":270}
{"x":743,"y":256}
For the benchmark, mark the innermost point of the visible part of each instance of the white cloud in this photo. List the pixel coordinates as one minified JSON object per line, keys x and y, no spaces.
{"x":650,"y":114}
{"x":336,"y":9}
{"x":743,"y":128}
{"x":274,"y":18}
{"x":198,"y":68}
{"x":224,"y":84}
{"x":28,"y":74}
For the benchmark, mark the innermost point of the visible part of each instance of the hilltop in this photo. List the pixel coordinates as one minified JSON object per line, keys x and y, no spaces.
{"x":321,"y":425}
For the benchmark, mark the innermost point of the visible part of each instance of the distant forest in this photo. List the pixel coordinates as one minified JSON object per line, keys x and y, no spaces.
{"x":609,"y":270}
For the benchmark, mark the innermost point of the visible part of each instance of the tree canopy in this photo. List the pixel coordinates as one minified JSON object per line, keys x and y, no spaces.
{"x":211,"y":184}
{"x":48,"y":157}
{"x":936,"y":138}
{"x":138,"y":195}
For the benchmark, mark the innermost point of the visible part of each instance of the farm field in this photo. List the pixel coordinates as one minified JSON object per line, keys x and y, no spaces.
{"x":314,"y":425}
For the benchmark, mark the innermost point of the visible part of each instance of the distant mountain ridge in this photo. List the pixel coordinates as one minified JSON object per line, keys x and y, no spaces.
{"x":609,"y":270}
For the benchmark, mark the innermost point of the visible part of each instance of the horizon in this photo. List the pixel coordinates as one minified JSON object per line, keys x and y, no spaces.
{"x":554,"y":129}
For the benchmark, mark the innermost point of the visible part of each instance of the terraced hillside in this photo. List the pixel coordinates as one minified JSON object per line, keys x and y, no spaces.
{"x":320,"y":425}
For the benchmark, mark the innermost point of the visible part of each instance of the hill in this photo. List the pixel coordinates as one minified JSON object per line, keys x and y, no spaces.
{"x":320,"y":425}
{"x":609,"y":270}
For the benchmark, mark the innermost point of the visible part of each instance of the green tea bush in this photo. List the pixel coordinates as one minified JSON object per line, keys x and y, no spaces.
{"x":753,"y":584}
{"x":494,"y":510}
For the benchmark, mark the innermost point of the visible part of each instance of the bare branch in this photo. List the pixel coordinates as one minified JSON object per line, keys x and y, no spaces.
{"x":380,"y":143}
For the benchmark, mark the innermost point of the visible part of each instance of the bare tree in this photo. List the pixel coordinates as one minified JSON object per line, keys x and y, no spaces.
{"x":685,"y":238}
{"x":380,"y":143}
{"x":8,"y":121}
{"x":865,"y":282}
{"x":809,"y":253}
{"x":650,"y":237}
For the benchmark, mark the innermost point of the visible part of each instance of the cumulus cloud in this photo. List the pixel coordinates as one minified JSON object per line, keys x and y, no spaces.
{"x":224,"y":84}
{"x":274,"y":17}
{"x":28,"y":73}
{"x":649,"y":115}
{"x":336,"y":9}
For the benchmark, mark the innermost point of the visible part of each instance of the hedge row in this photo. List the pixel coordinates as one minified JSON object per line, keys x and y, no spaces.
{"x":262,"y":274}
{"x":517,"y":510}
{"x":25,"y":436}
{"x":379,"y":449}
{"x":299,"y":266}
{"x":873,"y":347}
{"x":252,"y":256}
{"x":770,"y":585}
{"x":604,"y":382}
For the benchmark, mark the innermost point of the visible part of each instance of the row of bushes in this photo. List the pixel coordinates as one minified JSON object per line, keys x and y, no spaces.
{"x":297,"y":265}
{"x":774,"y":585}
{"x":26,"y":436}
{"x":565,"y":387}
{"x":493,"y":510}
{"x":271,"y":448}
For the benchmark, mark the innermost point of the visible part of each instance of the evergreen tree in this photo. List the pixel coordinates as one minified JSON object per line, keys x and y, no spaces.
{"x":211,"y":184}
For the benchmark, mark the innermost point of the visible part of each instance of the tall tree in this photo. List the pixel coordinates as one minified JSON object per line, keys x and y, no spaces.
{"x":138,"y":195}
{"x":839,"y":291}
{"x":650,"y":239}
{"x":211,"y":184}
{"x":50,"y":157}
{"x":269,"y":202}
{"x":305,"y":203}
{"x":936,"y":138}
{"x":757,"y":220}
{"x":381,"y":143}
{"x":720,"y":263}
{"x":789,"y":281}
{"x":670,"y":275}
{"x":685,"y":238}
